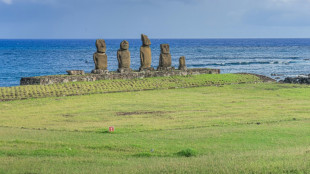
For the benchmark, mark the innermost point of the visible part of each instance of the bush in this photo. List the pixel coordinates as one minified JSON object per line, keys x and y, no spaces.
{"x":187,"y":152}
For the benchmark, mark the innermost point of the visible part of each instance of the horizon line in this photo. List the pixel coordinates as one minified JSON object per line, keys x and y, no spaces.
{"x":153,"y":38}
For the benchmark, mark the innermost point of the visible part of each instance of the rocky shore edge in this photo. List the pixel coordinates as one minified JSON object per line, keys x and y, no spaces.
{"x":301,"y":79}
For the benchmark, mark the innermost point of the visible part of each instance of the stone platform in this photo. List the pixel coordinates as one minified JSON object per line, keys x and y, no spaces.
{"x":56,"y":79}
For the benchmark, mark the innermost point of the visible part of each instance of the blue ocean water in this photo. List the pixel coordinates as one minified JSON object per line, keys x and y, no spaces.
{"x":26,"y":58}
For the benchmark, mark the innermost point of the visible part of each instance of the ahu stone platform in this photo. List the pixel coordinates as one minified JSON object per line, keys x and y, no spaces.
{"x":56,"y":79}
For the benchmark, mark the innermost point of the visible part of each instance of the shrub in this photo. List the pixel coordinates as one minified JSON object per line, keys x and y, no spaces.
{"x":187,"y":152}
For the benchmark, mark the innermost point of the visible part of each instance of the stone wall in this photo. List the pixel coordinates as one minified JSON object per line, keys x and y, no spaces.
{"x":56,"y":79}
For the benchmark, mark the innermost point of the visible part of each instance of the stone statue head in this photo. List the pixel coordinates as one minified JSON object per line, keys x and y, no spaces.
{"x":124,"y":45}
{"x":145,"y":40}
{"x":164,"y":48}
{"x":101,"y":46}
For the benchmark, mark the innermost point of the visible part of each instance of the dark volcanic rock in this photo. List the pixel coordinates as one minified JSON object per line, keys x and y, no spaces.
{"x":273,"y":74}
{"x":297,"y":80}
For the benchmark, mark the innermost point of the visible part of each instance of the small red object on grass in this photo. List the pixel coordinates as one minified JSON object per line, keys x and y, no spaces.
{"x":111,"y":129}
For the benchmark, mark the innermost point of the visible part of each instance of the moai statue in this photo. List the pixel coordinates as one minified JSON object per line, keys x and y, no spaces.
{"x":100,"y":57}
{"x":182,"y":65}
{"x":123,"y":57}
{"x":145,"y":54}
{"x":165,"y":58}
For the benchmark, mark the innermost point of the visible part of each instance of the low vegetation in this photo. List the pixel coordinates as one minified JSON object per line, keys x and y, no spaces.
{"x":239,"y":128}
{"x":187,"y":152}
{"x":106,"y":86}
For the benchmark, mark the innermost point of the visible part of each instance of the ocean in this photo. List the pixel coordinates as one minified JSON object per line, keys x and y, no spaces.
{"x":270,"y":57}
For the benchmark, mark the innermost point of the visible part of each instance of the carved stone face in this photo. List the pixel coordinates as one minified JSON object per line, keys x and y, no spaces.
{"x":124,"y":45}
{"x":145,"y":40}
{"x":101,"y":46}
{"x":164,"y":48}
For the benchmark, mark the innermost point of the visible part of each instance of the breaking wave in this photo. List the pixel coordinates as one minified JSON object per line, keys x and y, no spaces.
{"x":246,"y":63}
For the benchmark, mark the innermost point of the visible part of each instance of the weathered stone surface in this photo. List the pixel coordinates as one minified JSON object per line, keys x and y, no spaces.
{"x":123,"y":56}
{"x":145,"y":40}
{"x":146,"y":69}
{"x":164,"y":49}
{"x":124,"y":45}
{"x":75,"y":72}
{"x":145,"y":57}
{"x":101,"y":46}
{"x":46,"y":80}
{"x":182,"y":64}
{"x":35,"y":81}
{"x":165,"y":60}
{"x":101,"y":61}
{"x":165,"y":68}
{"x":298,"y":80}
{"x":145,"y":54}
{"x":100,"y":58}
{"x":124,"y":70}
{"x":99,"y":71}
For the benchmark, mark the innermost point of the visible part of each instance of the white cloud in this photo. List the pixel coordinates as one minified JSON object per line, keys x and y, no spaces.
{"x":7,"y":1}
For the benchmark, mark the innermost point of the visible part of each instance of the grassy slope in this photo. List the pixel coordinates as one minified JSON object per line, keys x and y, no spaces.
{"x":105,"y":86}
{"x":247,"y":128}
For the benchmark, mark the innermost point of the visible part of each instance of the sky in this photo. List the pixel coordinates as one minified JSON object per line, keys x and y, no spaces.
{"x":125,"y":19}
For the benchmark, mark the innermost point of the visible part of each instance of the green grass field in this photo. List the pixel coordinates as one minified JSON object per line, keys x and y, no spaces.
{"x":108,"y":86}
{"x":239,"y":128}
